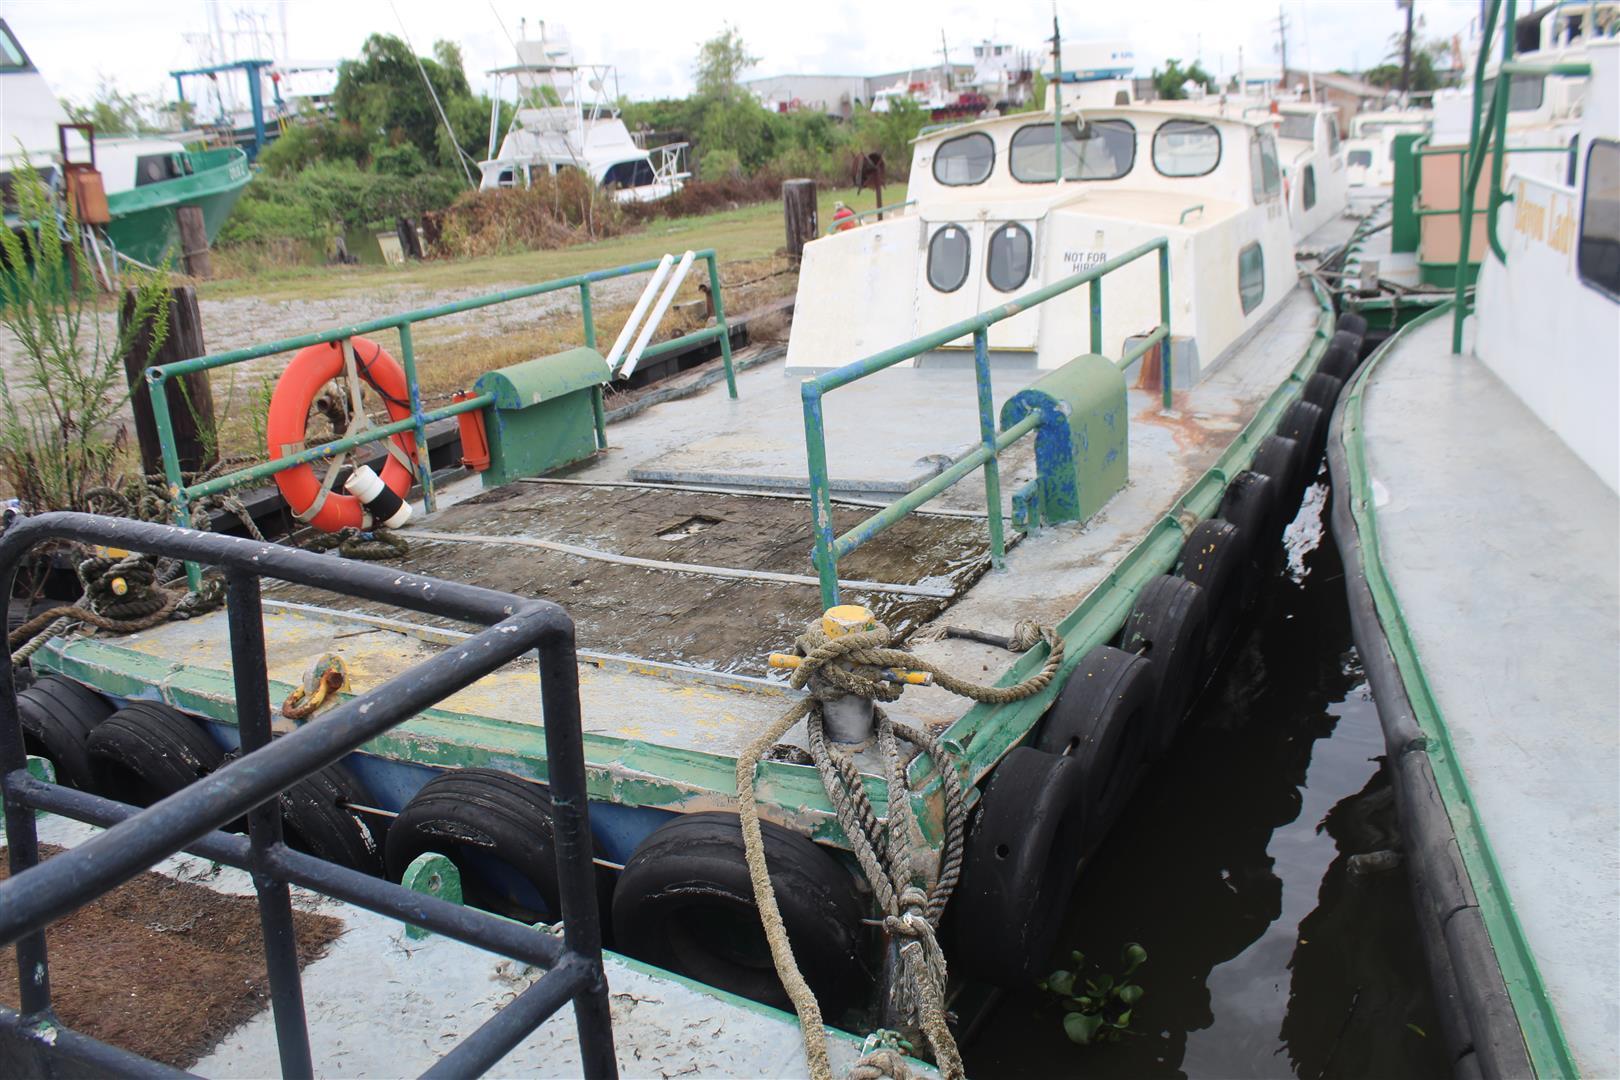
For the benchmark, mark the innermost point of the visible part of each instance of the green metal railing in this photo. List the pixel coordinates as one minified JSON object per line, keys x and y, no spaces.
{"x":181,"y":494}
{"x":1488,"y":127}
{"x":862,"y":215}
{"x":829,"y":548}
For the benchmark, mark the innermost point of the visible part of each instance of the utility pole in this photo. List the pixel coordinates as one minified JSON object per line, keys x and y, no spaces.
{"x":1282,"y":47}
{"x":1406,"y":48}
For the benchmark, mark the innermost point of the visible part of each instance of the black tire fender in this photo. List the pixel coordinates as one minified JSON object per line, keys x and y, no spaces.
{"x":474,"y":817}
{"x":1103,"y":718}
{"x":1342,"y":356}
{"x":685,"y":903}
{"x":315,"y":820}
{"x":1023,"y":856}
{"x":1307,"y":425}
{"x":1282,"y":459}
{"x":1212,"y":557}
{"x":147,"y":751}
{"x":1354,"y":323}
{"x":57,"y":717}
{"x":1322,"y":390}
{"x":1169,"y":625}
{"x":1249,"y":504}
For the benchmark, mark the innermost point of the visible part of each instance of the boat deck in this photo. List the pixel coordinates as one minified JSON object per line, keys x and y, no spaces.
{"x":681,"y":590}
{"x":1500,"y":545}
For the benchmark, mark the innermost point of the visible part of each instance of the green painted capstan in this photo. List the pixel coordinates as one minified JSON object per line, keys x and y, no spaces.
{"x":543,"y":415}
{"x":1082,"y":446}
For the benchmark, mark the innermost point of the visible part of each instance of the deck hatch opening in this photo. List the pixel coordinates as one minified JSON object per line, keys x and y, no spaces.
{"x":689,"y":527}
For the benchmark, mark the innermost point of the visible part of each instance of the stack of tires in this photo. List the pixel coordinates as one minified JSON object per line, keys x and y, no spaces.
{"x":1050,"y":802}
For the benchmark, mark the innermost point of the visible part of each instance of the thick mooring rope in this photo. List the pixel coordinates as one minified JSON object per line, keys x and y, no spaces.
{"x":910,"y":913}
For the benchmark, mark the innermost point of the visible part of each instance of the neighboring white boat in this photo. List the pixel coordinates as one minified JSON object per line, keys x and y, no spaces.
{"x":986,"y":223}
{"x":566,"y":120}
{"x":1369,"y":151}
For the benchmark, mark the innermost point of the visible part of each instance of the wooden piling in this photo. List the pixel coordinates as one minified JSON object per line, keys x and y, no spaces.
{"x":191,"y":399}
{"x":194,"y":256}
{"x":799,"y":214}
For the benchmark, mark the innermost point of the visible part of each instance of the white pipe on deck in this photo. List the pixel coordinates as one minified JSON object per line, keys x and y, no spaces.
{"x":658,"y":313}
{"x":647,"y":294}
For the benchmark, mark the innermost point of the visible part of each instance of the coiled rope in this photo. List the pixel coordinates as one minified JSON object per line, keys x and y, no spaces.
{"x":911,"y":913}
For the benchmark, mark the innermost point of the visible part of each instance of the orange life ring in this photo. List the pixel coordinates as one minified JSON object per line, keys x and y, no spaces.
{"x":311,"y":369}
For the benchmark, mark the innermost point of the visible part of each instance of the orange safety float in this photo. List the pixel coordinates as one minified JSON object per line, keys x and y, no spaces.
{"x":311,"y":369}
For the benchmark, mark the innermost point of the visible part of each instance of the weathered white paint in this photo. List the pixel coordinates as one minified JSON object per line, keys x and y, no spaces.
{"x":866,"y":289}
{"x":1553,"y":339}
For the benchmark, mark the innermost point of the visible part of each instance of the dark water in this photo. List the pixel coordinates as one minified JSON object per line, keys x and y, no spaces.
{"x":1267,"y":955}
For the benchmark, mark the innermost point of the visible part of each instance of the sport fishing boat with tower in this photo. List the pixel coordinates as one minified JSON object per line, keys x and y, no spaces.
{"x":566,"y":119}
{"x":814,"y":688}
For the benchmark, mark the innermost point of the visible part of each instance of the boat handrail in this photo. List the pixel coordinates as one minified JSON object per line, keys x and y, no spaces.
{"x":1489,"y":124}
{"x":861,"y":215}
{"x":829,"y":548}
{"x":182,"y":493}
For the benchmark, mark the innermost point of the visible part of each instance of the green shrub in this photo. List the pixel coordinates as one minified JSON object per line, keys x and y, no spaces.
{"x":720,"y":163}
{"x":401,"y":160}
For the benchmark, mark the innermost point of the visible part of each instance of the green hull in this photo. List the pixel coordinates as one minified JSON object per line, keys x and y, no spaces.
{"x":144,"y":226}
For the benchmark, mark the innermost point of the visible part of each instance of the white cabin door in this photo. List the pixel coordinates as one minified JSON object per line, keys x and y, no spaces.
{"x":948,"y":276}
{"x":1010,"y":268}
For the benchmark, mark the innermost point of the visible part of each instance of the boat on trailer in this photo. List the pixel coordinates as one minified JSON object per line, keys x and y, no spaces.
{"x":1145,"y":374}
{"x":1488,"y":415}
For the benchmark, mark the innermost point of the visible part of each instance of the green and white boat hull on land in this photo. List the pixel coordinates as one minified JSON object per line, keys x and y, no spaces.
{"x":144,"y":224}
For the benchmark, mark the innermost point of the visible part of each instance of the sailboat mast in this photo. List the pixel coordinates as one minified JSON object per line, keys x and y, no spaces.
{"x":1057,"y":99}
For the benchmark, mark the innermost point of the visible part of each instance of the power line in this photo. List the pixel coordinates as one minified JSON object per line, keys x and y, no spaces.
{"x":434,"y":94}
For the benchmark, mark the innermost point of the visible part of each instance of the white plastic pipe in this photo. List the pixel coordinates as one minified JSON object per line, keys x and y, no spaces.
{"x":647,"y":294}
{"x":658,"y":313}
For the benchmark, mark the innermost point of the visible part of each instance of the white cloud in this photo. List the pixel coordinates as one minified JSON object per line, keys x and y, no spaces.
{"x":76,"y":43}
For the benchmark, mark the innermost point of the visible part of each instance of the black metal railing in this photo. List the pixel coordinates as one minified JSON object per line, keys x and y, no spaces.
{"x":38,"y":894}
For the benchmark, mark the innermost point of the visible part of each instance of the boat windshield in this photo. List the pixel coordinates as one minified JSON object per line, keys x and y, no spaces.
{"x":12,"y":57}
{"x":1105,"y":150}
{"x":1301,"y":126}
{"x":629,"y":174}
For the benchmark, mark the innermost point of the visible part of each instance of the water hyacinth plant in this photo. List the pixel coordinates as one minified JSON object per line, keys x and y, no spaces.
{"x":1097,"y":1008}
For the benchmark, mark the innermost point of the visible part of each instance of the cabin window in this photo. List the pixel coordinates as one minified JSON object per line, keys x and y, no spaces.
{"x":1186,"y":148}
{"x":12,"y":57}
{"x":1251,"y":276}
{"x":1524,"y":92}
{"x":154,"y":169}
{"x":1301,"y":126}
{"x":1104,"y":150}
{"x":965,"y":160}
{"x":1307,"y":186}
{"x":1333,"y":135}
{"x":1597,"y":258}
{"x":1264,"y":175}
{"x":1007,"y":263}
{"x":1362,"y":158}
{"x":948,"y":258}
{"x":628,"y":174}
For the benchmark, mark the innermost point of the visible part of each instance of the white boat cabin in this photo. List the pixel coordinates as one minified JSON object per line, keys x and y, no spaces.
{"x":988,"y":222}
{"x":1314,"y":177}
{"x":1369,"y":152}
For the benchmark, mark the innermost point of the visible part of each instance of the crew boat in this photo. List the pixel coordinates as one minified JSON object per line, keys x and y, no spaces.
{"x":1369,"y":152}
{"x":1487,"y":416}
{"x":819,"y":690}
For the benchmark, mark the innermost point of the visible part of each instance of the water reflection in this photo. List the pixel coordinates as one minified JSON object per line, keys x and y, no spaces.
{"x":1267,"y":956}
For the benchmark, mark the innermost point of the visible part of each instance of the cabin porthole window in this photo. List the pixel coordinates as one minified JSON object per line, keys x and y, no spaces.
{"x":1361,"y":158}
{"x":1597,"y":257}
{"x":1186,"y":148}
{"x":1251,"y":276}
{"x":948,"y":258}
{"x":965,"y":160}
{"x":1008,"y":260}
{"x":1307,"y":186}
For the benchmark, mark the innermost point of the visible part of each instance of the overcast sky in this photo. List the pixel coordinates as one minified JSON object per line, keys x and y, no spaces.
{"x":76,"y":43}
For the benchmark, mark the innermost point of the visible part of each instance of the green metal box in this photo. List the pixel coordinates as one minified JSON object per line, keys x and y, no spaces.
{"x":1082,"y":447}
{"x":543,"y":416}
